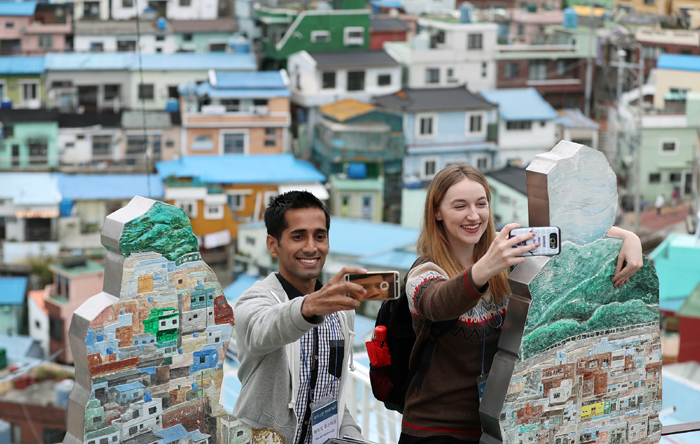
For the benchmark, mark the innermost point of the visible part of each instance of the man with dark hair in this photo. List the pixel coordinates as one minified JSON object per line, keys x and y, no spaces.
{"x":295,"y":335}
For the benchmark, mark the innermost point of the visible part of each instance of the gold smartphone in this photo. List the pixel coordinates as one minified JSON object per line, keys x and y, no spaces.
{"x":379,"y":285}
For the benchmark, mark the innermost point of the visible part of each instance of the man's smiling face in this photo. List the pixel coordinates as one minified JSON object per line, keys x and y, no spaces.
{"x":302,"y":247}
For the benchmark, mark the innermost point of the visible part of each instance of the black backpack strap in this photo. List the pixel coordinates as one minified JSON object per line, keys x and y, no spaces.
{"x":437,"y":329}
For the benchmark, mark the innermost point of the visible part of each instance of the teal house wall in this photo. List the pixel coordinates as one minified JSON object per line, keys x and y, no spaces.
{"x":24,"y":134}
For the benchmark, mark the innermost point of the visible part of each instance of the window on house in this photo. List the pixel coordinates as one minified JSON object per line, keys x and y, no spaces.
{"x":270,"y":132}
{"x":234,"y":143}
{"x":9,"y":25}
{"x":38,"y":151}
{"x":187,"y":37}
{"x":429,"y":167}
{"x":474,"y":41}
{"x":649,"y":2}
{"x":537,"y":70}
{"x":29,"y":91}
{"x":475,"y":124}
{"x":270,"y":142}
{"x":674,"y":178}
{"x":356,"y":80}
{"x":668,"y":147}
{"x":450,"y":75}
{"x":320,"y":36}
{"x":101,"y":145}
{"x":160,"y":38}
{"x":97,"y":47}
{"x":328,"y":79}
{"x":232,"y":105}
{"x":432,"y":75}
{"x":236,"y":202}
{"x":213,"y":212}
{"x":260,"y":102}
{"x":484,"y":69}
{"x":146,"y":92}
{"x":384,"y":79}
{"x":521,"y":29}
{"x":111,"y":92}
{"x":126,"y":45}
{"x":425,"y":126}
{"x":511,"y":70}
{"x":482,"y":163}
{"x":185,"y":3}
{"x":56,"y":329}
{"x":45,"y":41}
{"x":127,"y":3}
{"x":136,"y":144}
{"x":217,"y":47}
{"x":354,"y":36}
{"x":519,"y":126}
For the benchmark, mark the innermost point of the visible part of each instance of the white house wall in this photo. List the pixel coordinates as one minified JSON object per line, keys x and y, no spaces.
{"x":419,"y":7}
{"x":198,"y":10}
{"x":81,"y":149}
{"x":161,"y":80}
{"x":38,"y":325}
{"x":149,"y":44}
{"x":525,"y":144}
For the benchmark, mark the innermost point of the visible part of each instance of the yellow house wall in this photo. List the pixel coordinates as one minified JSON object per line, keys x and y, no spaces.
{"x":671,"y":78}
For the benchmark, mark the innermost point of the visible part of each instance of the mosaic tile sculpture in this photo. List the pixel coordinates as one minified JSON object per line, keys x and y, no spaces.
{"x":149,"y":349}
{"x":579,"y":360}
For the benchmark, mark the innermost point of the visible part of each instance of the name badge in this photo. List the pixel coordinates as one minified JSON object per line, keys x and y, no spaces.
{"x":324,"y":420}
{"x":481,"y":384}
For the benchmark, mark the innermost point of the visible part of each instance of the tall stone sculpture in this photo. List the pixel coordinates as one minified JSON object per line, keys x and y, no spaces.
{"x":579,"y":360}
{"x":149,"y":349}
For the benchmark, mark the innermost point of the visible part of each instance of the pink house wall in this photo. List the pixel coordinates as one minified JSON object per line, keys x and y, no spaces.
{"x":28,"y":29}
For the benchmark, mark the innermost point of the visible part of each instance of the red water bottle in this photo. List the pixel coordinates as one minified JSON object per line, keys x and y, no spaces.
{"x":380,"y":333}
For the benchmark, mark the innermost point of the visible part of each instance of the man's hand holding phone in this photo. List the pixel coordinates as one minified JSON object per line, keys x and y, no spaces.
{"x":332,"y":296}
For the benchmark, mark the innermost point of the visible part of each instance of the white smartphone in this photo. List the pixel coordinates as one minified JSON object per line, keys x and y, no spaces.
{"x":548,"y":238}
{"x":379,"y":285}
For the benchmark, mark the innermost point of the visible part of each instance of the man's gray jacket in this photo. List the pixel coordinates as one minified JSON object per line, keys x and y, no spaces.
{"x":268,"y":331}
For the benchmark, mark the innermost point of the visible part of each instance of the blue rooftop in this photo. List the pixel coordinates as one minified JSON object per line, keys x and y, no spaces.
{"x":22,"y":65}
{"x":73,"y":61}
{"x":241,"y":284}
{"x":520,"y":104}
{"x":18,"y":9}
{"x":20,"y":349}
{"x":109,"y":186}
{"x":679,"y":61}
{"x":172,"y":434}
{"x":390,"y":260}
{"x":129,"y":386}
{"x":13,"y":290}
{"x":574,"y":118}
{"x":363,"y":238}
{"x":250,"y":80}
{"x":241,"y":169}
{"x":30,"y":188}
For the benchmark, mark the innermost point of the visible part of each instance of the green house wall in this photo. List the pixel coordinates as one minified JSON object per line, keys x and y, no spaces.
{"x":23,"y":132}
{"x":13,"y":89}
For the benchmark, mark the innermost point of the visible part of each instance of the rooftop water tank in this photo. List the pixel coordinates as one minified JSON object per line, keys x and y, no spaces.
{"x":570,"y":18}
{"x":421,"y":41}
{"x":6,"y":104}
{"x":172,"y":105}
{"x":62,"y":390}
{"x":162,"y":24}
{"x":239,"y":44}
{"x":66,"y":207}
{"x":357,"y":171}
{"x":465,"y":13}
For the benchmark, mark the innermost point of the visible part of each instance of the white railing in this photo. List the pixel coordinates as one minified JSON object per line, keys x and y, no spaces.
{"x":378,"y":424}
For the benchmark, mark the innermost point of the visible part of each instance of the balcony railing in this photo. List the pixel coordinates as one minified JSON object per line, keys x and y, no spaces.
{"x":361,"y":138}
{"x":510,"y":49}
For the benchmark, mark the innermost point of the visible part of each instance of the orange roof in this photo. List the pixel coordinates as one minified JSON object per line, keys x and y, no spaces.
{"x":345,"y":109}
{"x":38,"y":296}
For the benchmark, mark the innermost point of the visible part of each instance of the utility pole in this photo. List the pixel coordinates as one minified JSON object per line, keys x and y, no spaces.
{"x":589,"y":65}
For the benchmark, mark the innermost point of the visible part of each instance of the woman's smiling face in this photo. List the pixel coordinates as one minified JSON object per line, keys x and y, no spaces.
{"x":464,"y":212}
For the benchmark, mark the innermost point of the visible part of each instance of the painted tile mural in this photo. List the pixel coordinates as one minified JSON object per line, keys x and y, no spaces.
{"x":150,"y":348}
{"x":579,"y":360}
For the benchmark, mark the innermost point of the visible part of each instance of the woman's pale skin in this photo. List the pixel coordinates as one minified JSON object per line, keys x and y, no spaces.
{"x":464,"y":213}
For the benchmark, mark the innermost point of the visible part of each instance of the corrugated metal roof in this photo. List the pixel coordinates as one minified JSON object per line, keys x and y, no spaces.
{"x":679,"y":61}
{"x":242,"y":169}
{"x":205,"y":89}
{"x":198,"y":62}
{"x":26,"y":189}
{"x":512,"y":177}
{"x":376,"y":237}
{"x":154,"y":119}
{"x":249,"y":80}
{"x":388,"y":23}
{"x":434,"y":99}
{"x":173,"y":433}
{"x":22,"y":65}
{"x":73,"y":61}
{"x":346,"y":109}
{"x":363,"y":58}
{"x":13,"y":290}
{"x":520,"y":104}
{"x":18,"y":8}
{"x":129,"y":386}
{"x":574,"y":118}
{"x":109,"y":186}
{"x":19,"y":347}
